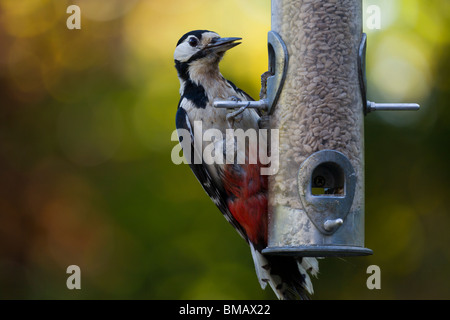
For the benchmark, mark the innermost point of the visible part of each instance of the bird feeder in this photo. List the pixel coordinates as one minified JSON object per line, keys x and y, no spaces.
{"x":316,"y":98}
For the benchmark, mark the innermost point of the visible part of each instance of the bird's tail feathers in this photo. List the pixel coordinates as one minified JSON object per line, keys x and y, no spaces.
{"x":262,"y":267}
{"x":306,"y":266}
{"x":289,"y":277}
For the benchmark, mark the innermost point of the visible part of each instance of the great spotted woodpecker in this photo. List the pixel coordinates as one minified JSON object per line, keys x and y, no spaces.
{"x":238,"y":189}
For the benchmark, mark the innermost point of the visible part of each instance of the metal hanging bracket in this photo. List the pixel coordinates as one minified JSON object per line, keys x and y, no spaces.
{"x":278,"y":64}
{"x":370,"y":106}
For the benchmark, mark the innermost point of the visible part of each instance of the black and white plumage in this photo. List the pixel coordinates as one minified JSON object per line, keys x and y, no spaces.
{"x":238,"y":190}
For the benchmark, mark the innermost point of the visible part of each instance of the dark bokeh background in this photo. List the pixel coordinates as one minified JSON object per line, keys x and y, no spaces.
{"x":86,"y":178}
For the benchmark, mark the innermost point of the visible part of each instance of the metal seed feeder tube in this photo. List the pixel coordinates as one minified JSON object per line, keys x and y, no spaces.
{"x":316,"y":98}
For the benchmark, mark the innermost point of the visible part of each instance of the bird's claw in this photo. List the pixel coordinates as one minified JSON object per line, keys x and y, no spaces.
{"x":234,"y":98}
{"x":231,"y":116}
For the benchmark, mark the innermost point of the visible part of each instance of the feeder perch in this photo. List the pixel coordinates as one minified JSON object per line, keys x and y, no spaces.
{"x":316,"y":98}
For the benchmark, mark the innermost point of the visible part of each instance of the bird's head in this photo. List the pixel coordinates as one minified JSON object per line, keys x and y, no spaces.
{"x":203,"y":48}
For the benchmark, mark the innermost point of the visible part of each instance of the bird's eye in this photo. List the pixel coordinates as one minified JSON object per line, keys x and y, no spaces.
{"x":193,"y":42}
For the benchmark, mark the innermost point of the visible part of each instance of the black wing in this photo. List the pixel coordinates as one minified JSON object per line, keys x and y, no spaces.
{"x":245,"y":94}
{"x":216,"y":193}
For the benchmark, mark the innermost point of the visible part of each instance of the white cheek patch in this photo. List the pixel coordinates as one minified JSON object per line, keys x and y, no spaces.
{"x":183,"y":52}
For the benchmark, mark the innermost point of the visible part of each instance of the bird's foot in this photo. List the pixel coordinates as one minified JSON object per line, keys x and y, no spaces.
{"x":234,"y":98}
{"x":232,"y":116}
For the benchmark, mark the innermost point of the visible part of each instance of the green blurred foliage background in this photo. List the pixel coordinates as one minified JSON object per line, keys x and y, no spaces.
{"x":86,"y":178}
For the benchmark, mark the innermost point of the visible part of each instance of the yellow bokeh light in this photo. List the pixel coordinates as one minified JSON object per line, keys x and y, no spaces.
{"x":105,"y":10}
{"x":400,"y":67}
{"x":29,"y":18}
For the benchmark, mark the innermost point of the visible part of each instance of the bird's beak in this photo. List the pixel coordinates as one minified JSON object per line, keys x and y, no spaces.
{"x":223,"y":44}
